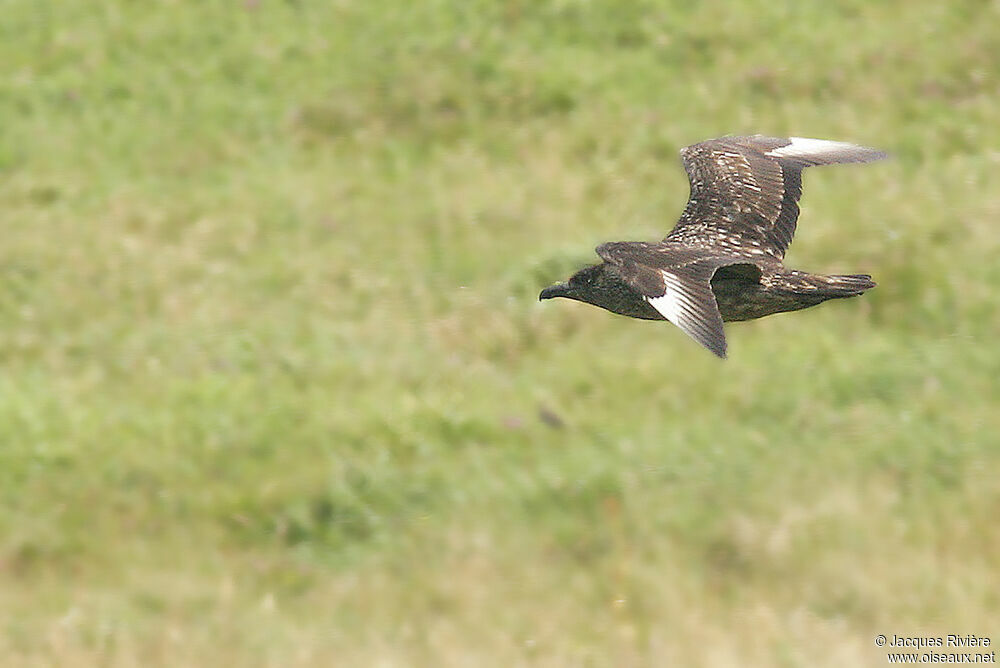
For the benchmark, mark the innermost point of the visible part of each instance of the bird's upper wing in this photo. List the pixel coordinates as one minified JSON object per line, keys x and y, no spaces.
{"x":745,"y":190}
{"x":676,"y":282}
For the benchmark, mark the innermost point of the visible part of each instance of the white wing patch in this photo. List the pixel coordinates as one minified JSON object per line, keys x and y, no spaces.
{"x":691,"y":306}
{"x":823,"y":151}
{"x":669,"y":304}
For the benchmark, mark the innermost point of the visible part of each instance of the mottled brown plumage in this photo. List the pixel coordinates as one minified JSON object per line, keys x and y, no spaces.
{"x":723,"y":259}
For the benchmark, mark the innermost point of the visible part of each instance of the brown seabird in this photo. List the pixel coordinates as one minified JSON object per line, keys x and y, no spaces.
{"x":723,"y":259}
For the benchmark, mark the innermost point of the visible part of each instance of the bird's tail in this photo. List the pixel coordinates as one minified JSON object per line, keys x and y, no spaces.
{"x":820,"y":288}
{"x":842,"y":285}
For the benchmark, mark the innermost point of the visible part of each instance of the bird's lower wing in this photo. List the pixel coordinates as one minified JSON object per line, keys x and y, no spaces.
{"x":688,"y":302}
{"x":678,"y":287}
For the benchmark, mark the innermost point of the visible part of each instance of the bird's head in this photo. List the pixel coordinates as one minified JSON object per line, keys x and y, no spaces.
{"x":601,"y":286}
{"x":581,"y":286}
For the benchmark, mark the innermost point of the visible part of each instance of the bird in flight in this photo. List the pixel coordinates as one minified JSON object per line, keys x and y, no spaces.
{"x":722,"y":261}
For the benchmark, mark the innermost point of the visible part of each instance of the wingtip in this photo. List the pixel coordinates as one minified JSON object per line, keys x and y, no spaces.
{"x":873,"y":154}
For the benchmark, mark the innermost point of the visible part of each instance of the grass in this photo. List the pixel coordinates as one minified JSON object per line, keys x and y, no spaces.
{"x":275,"y":389}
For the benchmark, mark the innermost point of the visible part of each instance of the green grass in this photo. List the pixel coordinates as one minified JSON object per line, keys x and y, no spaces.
{"x":275,"y":388}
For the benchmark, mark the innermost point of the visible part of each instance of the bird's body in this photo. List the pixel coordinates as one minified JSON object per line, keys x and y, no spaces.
{"x":723,"y":259}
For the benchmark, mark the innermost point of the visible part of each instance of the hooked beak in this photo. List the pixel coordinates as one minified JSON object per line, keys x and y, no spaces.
{"x":557,"y":290}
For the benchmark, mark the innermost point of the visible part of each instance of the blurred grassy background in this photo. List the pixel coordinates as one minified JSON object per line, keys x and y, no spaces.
{"x":275,"y":389}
